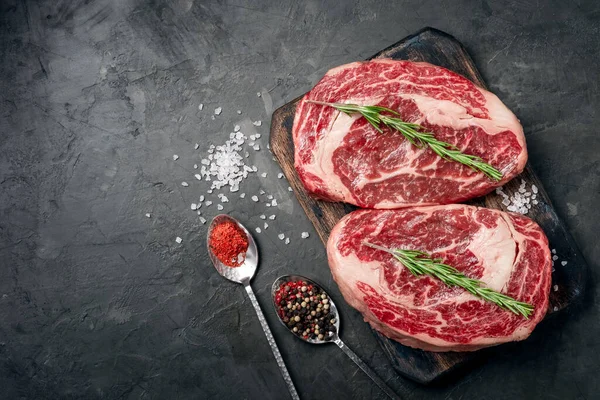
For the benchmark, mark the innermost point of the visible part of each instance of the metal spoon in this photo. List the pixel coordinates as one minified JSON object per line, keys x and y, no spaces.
{"x":335,"y":338}
{"x":243,"y":274}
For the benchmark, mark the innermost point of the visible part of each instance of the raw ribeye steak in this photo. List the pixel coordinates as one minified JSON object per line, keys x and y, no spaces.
{"x":508,"y":252}
{"x":343,"y":158}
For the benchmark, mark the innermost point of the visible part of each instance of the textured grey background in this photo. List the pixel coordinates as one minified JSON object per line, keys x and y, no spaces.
{"x":98,"y":301}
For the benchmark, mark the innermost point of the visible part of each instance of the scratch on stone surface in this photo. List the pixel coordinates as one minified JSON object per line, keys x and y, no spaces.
{"x":43,"y":69}
{"x":76,"y":160}
{"x":505,"y":48}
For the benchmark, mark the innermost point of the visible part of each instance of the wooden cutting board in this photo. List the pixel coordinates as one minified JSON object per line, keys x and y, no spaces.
{"x":570,"y":268}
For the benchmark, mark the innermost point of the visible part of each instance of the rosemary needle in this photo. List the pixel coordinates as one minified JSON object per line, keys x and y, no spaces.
{"x":421,"y":263}
{"x":414,"y":133}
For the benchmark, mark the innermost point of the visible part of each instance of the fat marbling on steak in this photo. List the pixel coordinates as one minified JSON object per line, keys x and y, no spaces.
{"x":343,"y":158}
{"x":508,"y":252}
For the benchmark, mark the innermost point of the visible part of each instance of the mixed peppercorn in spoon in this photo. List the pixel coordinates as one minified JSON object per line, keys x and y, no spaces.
{"x":306,"y":310}
{"x":309,"y":313}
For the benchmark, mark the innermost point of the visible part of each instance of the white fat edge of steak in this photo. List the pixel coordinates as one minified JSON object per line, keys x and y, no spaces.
{"x":332,"y":138}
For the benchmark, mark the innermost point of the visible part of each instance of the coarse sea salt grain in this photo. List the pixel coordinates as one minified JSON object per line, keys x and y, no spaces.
{"x":218,"y":110}
{"x":195,"y":166}
{"x":196,"y":146}
{"x":280,"y":175}
{"x":264,"y":174}
{"x":194,"y":206}
{"x":266,"y":225}
{"x":258,"y":94}
{"x":520,"y":202}
{"x":202,"y":220}
{"x":236,"y":128}
{"x":563,"y":263}
{"x":255,"y":199}
{"x":219,"y":207}
{"x":281,"y":236}
{"x":175,"y":157}
{"x":257,"y":136}
{"x":184,"y":184}
{"x":148,"y":215}
{"x":256,"y":147}
{"x":262,"y":216}
{"x":272,"y":217}
{"x":178,"y":239}
{"x":258,"y":230}
{"x":289,"y":188}
{"x":554,"y":258}
{"x":257,"y":123}
{"x":274,"y":203}
{"x":242,"y":195}
{"x":304,"y":235}
{"x":226,"y":166}
{"x":555,"y":288}
{"x":553,"y":251}
{"x":200,"y":106}
{"x":201,"y":198}
{"x":207,"y":203}
{"x":239,"y":111}
{"x":287,"y":240}
{"x":198,"y":176}
{"x":270,"y":196}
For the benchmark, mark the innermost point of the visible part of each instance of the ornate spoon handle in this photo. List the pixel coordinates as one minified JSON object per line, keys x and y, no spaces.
{"x":271,"y":340}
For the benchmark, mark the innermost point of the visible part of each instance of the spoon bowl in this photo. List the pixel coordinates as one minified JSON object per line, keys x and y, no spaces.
{"x":333,"y":312}
{"x":247,"y":269}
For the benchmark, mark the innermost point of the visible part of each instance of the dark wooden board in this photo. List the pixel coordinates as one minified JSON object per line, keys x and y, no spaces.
{"x":441,"y":49}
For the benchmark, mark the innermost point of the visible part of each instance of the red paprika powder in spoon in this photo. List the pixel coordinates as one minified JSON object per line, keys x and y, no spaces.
{"x":229,"y":243}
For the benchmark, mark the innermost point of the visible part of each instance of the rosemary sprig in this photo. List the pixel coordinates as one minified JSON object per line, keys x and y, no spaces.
{"x":421,"y":263}
{"x":414,"y":133}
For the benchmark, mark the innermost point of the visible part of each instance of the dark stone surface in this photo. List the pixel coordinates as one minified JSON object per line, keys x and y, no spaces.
{"x":98,"y":301}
